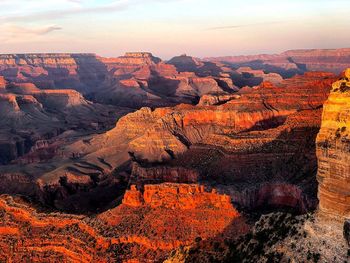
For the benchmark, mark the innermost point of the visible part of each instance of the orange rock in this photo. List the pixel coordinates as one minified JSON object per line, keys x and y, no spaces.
{"x":177,"y":196}
{"x":133,"y":197}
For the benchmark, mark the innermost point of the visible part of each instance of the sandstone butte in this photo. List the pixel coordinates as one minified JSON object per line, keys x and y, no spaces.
{"x":333,"y":143}
{"x":145,"y":227}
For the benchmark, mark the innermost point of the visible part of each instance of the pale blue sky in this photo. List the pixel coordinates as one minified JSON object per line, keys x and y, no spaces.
{"x":171,"y":27}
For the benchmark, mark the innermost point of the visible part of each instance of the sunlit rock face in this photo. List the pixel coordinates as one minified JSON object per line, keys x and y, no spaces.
{"x":178,"y":196}
{"x":145,"y":227}
{"x":333,"y":151}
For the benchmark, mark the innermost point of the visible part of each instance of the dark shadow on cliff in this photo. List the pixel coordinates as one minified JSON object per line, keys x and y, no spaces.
{"x":267,"y":68}
{"x":289,"y":160}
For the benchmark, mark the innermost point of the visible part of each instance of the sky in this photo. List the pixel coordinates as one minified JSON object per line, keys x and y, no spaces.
{"x":167,"y":28}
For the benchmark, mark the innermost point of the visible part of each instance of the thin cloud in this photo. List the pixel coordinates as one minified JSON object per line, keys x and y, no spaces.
{"x":114,"y":6}
{"x":19,"y":30}
{"x":12,"y":32}
{"x":245,"y":25}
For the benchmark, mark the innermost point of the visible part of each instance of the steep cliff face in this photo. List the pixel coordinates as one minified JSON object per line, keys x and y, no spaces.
{"x":333,"y":151}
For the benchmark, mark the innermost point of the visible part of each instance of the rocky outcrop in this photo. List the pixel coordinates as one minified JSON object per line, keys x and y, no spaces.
{"x":148,"y":81}
{"x":333,"y":151}
{"x":82,"y":72}
{"x":177,"y":196}
{"x":332,"y":60}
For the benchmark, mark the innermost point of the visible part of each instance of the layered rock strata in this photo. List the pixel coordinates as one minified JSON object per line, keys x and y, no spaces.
{"x":333,"y":151}
{"x":169,"y":216}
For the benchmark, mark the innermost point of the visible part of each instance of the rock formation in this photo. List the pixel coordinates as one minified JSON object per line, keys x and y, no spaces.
{"x":170,"y":215}
{"x":177,"y":196}
{"x":29,"y":114}
{"x":134,"y":80}
{"x":140,"y":229}
{"x":294,"y":61}
{"x":332,"y":151}
{"x":250,"y":77}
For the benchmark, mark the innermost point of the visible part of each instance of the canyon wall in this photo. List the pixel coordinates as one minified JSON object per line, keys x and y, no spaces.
{"x":333,"y":151}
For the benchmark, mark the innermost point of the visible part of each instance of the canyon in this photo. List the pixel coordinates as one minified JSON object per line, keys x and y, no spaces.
{"x":135,"y":159}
